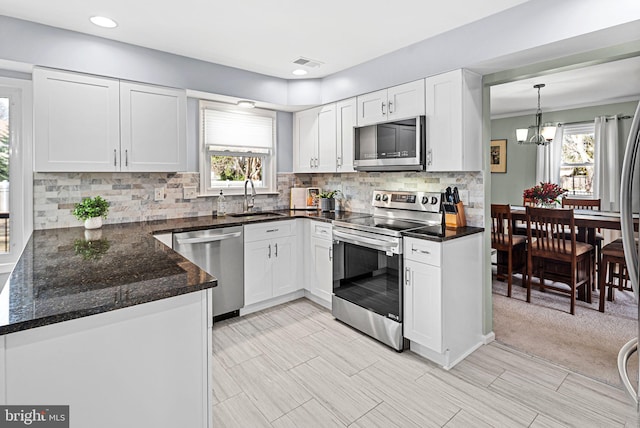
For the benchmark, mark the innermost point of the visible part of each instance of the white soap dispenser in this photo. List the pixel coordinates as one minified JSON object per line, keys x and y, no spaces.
{"x":221,"y":205}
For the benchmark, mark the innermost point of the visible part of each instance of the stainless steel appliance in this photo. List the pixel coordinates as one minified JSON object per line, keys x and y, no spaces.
{"x":304,"y":198}
{"x":629,"y":195}
{"x":391,"y":146}
{"x":367,"y":262}
{"x":219,"y":252}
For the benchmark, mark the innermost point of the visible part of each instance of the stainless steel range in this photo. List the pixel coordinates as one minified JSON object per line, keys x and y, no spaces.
{"x":367,"y":262}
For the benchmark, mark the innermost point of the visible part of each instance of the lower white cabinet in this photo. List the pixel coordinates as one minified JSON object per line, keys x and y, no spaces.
{"x":443,"y":297}
{"x":269,"y":261}
{"x":320,"y":263}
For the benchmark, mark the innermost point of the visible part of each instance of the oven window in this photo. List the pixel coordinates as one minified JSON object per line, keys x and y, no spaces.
{"x":370,"y":279}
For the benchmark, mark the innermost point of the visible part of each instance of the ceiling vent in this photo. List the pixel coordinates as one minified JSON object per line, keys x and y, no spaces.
{"x":311,"y":63}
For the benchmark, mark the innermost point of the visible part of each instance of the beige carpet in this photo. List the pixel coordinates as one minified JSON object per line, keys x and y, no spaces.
{"x":587,"y":342}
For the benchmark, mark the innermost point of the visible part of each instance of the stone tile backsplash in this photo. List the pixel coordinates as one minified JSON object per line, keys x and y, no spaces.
{"x":131,"y":195}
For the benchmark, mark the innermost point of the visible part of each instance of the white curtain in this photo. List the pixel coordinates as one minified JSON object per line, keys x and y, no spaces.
{"x":548,"y":161}
{"x":606,"y":176}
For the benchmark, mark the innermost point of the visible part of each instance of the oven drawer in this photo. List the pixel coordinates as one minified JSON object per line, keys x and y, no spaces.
{"x":321,"y":230}
{"x":422,"y":251}
{"x":273,"y":229}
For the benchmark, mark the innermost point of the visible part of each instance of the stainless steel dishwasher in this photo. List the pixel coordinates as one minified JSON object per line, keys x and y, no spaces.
{"x":220,"y":253}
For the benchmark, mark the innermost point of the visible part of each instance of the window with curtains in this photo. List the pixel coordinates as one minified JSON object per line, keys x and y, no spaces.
{"x":236,"y":144}
{"x":577,"y":158}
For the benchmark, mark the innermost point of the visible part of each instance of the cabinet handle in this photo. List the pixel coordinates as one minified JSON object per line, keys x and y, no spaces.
{"x":310,"y":162}
{"x":126,"y":157}
{"x":272,"y":230}
{"x":276,"y":250}
{"x":383,"y":113}
{"x":429,"y":156}
{"x":330,"y":253}
{"x":317,"y":162}
{"x":269,"y":250}
{"x":390,"y":105}
{"x":339,"y":161}
{"x":115,"y":157}
{"x":407,"y":276}
{"x":420,"y":251}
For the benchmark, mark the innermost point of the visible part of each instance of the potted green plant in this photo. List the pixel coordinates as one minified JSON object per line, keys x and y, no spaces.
{"x":91,"y":211}
{"x":327,"y":203}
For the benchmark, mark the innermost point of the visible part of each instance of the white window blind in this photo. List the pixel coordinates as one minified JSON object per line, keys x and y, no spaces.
{"x":226,"y":131}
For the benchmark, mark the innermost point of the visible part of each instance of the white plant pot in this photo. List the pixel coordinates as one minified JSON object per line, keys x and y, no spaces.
{"x":93,"y":223}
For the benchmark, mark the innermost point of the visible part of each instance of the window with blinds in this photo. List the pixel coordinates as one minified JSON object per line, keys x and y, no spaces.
{"x":577,"y":159}
{"x":237,"y":144}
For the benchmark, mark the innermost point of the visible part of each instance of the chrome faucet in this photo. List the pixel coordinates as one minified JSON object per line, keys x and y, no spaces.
{"x":248,"y":206}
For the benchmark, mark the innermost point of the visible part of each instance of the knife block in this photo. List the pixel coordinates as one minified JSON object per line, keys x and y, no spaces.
{"x":457,"y":219}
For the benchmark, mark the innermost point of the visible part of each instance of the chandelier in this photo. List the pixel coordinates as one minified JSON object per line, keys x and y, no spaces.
{"x":540,"y":134}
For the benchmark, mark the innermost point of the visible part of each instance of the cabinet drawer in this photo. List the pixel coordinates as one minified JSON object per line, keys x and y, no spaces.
{"x":274,"y":229}
{"x":422,"y":251}
{"x":321,"y":230}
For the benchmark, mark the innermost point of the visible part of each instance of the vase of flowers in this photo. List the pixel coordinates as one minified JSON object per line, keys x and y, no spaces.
{"x":544,"y":194}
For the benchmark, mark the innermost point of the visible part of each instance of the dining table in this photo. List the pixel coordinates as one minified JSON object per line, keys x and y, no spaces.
{"x":587,"y":222}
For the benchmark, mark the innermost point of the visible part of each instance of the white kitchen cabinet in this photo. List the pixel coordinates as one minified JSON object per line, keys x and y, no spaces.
{"x":320,"y":263}
{"x":454,"y":121}
{"x":77,"y":122}
{"x":315,"y":137}
{"x":398,"y":102}
{"x":269,"y":260}
{"x":443,"y":297}
{"x":92,"y":123}
{"x":346,"y":117}
{"x":153,"y":128}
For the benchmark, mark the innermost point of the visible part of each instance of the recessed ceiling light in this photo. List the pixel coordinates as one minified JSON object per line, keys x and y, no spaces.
{"x":246,"y":104}
{"x":299,"y":72}
{"x":103,"y":21}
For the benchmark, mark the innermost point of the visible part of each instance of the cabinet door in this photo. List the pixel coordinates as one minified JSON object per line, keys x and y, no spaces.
{"x":305,"y":140}
{"x":406,"y":100}
{"x":345,"y":123}
{"x":153,"y":128}
{"x":327,"y":135}
{"x":283,"y":257}
{"x":77,"y":122}
{"x":444,"y":122}
{"x":423,"y":304}
{"x":257,"y":271}
{"x":372,"y":107}
{"x":321,"y":273}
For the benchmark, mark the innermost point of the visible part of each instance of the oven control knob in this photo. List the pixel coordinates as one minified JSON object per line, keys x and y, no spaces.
{"x":385,"y":198}
{"x":378,"y":196}
{"x":425,"y":200}
{"x":434,"y":200}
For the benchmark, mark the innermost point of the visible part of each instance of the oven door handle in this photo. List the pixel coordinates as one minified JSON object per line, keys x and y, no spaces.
{"x":375,"y":244}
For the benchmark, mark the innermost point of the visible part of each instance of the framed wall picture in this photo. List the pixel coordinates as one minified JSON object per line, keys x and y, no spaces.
{"x":498,"y":156}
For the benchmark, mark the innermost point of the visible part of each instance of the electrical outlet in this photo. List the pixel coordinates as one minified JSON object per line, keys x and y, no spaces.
{"x":159,"y":194}
{"x":189,"y":192}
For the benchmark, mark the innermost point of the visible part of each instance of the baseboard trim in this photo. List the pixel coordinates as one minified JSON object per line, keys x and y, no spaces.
{"x":488,"y":338}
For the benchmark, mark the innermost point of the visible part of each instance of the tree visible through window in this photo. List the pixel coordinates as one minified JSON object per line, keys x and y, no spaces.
{"x":577,"y":160}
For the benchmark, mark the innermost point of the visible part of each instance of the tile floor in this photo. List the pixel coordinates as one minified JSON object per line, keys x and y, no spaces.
{"x":295,"y":366}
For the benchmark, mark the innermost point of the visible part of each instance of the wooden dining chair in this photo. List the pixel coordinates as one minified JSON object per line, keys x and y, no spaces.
{"x":520,"y":228}
{"x":511,"y":249}
{"x":554,"y":253}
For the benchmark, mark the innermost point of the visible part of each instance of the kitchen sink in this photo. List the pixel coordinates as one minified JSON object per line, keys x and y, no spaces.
{"x":256,"y":214}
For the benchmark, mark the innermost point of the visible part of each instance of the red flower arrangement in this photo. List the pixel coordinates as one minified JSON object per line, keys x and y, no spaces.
{"x":546,"y":193}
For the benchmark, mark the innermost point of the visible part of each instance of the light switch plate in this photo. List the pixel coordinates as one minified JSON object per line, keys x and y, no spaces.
{"x":189,"y":192}
{"x":158,"y":194}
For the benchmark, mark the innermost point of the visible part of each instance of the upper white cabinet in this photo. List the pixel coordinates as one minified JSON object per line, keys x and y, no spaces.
{"x":315,"y":136}
{"x":398,"y":102}
{"x":454,"y":121}
{"x":89,"y":123}
{"x":153,"y":129}
{"x":346,"y":117}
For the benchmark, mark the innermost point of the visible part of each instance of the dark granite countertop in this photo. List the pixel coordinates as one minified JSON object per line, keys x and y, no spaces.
{"x":71,"y":273}
{"x":444,"y":235}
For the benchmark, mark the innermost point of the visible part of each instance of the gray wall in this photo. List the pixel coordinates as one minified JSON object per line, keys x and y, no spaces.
{"x":521,"y":159}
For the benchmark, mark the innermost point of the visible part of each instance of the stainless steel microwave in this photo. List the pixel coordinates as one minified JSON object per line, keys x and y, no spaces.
{"x":391,"y":146}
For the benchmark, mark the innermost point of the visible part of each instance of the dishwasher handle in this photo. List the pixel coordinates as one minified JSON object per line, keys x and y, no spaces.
{"x":206,"y":239}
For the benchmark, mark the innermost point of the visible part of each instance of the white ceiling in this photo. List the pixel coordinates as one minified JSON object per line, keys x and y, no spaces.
{"x":607,"y":83}
{"x":264,"y":36}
